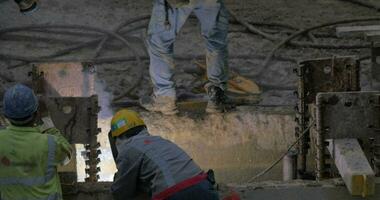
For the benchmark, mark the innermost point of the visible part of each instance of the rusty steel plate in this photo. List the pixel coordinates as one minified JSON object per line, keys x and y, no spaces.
{"x":75,"y":117}
{"x":338,"y":74}
{"x":64,"y":79}
{"x":348,"y":115}
{"x":375,"y":70}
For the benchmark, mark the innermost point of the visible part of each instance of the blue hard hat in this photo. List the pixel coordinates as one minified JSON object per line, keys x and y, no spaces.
{"x":19,"y":102}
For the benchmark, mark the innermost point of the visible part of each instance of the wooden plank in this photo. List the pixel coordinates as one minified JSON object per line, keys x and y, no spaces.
{"x":356,"y":30}
{"x":353,"y":166}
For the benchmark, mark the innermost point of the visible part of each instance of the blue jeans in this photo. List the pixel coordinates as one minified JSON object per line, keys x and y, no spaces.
{"x":213,"y":17}
{"x":201,"y":191}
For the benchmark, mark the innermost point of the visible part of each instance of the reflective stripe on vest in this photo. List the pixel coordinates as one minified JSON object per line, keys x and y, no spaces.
{"x":40,"y":180}
{"x":54,"y":196}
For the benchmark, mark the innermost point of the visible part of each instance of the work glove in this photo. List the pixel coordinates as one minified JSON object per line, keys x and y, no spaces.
{"x":178,"y":3}
{"x":46,"y":124}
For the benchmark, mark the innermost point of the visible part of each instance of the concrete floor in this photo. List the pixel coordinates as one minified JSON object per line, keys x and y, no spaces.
{"x":301,"y":193}
{"x":296,"y":190}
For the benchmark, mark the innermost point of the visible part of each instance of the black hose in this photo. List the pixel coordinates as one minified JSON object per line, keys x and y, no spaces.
{"x":363,"y":3}
{"x":89,"y":28}
{"x":83,"y":44}
{"x":329,"y":46}
{"x":252,"y":29}
{"x":117,"y":29}
{"x":126,"y":58}
{"x":301,"y":32}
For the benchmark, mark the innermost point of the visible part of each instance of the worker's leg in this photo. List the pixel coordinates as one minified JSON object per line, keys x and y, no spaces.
{"x":164,"y":25}
{"x":202,"y":191}
{"x":213,"y":16}
{"x":160,"y":40}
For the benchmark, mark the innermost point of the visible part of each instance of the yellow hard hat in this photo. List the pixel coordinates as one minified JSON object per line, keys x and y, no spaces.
{"x":123,"y":121}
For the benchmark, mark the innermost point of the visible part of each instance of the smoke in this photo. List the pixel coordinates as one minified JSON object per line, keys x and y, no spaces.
{"x":105,"y":99}
{"x":106,"y":164}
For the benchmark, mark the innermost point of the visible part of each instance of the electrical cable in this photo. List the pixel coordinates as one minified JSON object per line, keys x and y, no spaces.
{"x":127,"y":58}
{"x":86,"y":43}
{"x":117,"y":29}
{"x":363,"y":3}
{"x":252,"y":29}
{"x":282,"y":157}
{"x":301,"y":32}
{"x":139,"y":65}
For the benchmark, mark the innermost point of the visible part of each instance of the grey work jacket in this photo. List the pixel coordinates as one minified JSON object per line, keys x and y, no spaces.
{"x":149,"y":164}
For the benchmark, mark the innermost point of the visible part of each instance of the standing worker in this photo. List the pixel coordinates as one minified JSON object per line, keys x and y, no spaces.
{"x":29,"y":154}
{"x":167,"y":19}
{"x":154,"y":166}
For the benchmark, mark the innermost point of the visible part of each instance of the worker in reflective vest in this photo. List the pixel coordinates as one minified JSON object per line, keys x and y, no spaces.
{"x":29,"y":154}
{"x":154,"y":166}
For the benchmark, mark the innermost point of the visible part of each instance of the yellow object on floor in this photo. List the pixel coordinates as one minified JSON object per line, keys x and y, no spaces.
{"x":237,"y":83}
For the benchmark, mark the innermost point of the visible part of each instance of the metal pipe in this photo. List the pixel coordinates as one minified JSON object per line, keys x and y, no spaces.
{"x":320,"y":159}
{"x":289,"y":168}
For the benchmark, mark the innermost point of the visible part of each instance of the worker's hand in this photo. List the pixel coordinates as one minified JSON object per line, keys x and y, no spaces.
{"x":47,"y":123}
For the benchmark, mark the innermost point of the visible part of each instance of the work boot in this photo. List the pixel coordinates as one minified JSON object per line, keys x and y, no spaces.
{"x":163,"y":104}
{"x":217,"y":99}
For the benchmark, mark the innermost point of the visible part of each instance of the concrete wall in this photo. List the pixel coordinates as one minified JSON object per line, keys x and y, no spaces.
{"x":237,"y":145}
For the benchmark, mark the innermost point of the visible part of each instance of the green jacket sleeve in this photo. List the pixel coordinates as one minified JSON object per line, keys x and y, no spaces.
{"x":64,"y":149}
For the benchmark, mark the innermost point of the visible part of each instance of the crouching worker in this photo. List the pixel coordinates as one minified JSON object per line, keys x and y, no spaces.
{"x":29,"y":154}
{"x":154,"y":166}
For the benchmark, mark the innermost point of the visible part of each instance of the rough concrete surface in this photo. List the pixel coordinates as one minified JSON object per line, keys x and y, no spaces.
{"x":236,"y":145}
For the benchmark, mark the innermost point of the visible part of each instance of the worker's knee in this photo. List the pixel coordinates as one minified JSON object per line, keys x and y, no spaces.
{"x":216,"y":36}
{"x":160,"y":43}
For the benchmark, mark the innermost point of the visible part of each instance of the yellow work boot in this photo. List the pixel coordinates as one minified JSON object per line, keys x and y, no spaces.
{"x":164,"y":104}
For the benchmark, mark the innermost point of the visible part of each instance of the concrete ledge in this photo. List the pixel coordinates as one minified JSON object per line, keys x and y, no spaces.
{"x":237,"y":145}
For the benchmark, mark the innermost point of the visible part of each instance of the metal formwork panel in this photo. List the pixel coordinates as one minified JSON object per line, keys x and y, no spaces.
{"x":375,"y":69}
{"x":348,"y":115}
{"x":336,"y":74}
{"x":74,"y":117}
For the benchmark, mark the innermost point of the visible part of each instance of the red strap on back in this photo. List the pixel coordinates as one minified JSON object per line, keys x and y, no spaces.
{"x":180,"y":186}
{"x":233,"y":196}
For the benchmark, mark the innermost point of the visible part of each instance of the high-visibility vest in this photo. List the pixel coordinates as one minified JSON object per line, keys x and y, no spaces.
{"x":28,"y":163}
